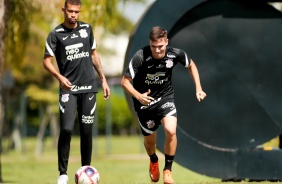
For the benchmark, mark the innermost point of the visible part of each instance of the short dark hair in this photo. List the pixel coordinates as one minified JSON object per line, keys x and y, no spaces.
{"x":72,"y":2}
{"x":157,"y":32}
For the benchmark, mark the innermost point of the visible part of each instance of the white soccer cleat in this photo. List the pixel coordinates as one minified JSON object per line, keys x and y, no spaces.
{"x":63,"y":179}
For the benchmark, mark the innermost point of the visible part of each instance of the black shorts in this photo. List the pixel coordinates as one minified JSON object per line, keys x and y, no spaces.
{"x":84,"y":104}
{"x":150,"y":118}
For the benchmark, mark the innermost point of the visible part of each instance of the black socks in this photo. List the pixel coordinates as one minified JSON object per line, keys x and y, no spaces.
{"x":168,"y":161}
{"x":154,"y":158}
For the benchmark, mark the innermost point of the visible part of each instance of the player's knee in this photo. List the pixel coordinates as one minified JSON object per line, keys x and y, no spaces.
{"x":170,"y":134}
{"x":149,"y":143}
{"x":66,"y":132}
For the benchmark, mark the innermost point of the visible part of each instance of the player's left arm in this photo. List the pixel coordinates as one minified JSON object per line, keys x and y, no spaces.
{"x":98,"y":67}
{"x":192,"y":68}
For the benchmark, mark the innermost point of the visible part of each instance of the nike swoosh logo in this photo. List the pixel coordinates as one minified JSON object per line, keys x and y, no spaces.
{"x":90,"y":98}
{"x":65,"y":37}
{"x":150,"y":66}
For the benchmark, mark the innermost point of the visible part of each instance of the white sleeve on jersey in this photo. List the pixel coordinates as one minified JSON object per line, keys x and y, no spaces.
{"x":49,"y":49}
{"x":94,"y":46}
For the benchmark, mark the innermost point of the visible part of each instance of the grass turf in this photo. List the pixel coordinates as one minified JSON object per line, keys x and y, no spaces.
{"x":121,"y":160}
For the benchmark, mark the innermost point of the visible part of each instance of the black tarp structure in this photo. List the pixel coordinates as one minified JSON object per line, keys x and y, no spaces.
{"x":236,"y":46}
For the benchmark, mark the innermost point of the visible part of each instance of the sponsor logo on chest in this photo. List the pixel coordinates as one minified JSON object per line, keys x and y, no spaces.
{"x":73,"y":52}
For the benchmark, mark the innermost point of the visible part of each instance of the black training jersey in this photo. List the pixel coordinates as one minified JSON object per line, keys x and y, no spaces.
{"x":154,"y":74}
{"x":72,"y":49}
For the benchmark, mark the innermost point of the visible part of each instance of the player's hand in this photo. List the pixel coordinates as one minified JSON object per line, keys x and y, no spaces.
{"x":144,"y":99}
{"x":200,"y":95}
{"x":65,"y":83}
{"x":106,"y":89}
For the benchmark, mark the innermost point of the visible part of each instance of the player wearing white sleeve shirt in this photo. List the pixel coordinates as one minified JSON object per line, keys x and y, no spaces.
{"x":150,"y":70}
{"x":74,"y":46}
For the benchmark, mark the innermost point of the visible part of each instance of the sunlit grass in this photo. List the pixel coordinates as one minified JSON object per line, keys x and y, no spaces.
{"x":120,"y":160}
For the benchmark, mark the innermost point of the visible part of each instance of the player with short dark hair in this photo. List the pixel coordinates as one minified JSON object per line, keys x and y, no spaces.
{"x":74,"y":46}
{"x":150,"y":69}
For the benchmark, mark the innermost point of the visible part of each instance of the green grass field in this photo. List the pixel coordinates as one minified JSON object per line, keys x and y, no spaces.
{"x":119,"y":160}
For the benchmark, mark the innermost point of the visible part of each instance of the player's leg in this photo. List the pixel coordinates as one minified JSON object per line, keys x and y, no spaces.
{"x":169,"y":123}
{"x":67,"y":107}
{"x":148,"y":127}
{"x":86,"y":111}
{"x":150,"y":143}
{"x":150,"y":146}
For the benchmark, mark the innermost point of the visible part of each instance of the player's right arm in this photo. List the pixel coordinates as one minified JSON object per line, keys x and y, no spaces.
{"x":143,"y":98}
{"x":48,"y":65}
{"x":134,"y":67}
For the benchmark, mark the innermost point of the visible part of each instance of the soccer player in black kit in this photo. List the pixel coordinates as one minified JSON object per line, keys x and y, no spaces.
{"x":74,"y":46}
{"x":153,"y":96}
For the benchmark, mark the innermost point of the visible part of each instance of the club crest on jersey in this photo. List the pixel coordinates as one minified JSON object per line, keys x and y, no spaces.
{"x":65,"y":98}
{"x":83,"y":33}
{"x":169,"y":63}
{"x":150,"y":124}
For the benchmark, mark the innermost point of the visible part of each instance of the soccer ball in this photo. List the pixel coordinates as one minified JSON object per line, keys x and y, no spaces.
{"x":87,"y":175}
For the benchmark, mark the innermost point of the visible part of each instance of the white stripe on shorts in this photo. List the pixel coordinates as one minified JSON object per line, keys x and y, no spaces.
{"x":145,"y":129}
{"x":171,"y":112}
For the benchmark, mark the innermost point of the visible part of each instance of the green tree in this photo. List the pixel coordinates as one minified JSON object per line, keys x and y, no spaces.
{"x":2,"y":36}
{"x":13,"y":28}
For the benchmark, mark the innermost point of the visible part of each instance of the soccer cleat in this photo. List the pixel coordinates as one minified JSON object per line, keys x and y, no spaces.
{"x":63,"y":179}
{"x":168,"y":177}
{"x":154,"y":172}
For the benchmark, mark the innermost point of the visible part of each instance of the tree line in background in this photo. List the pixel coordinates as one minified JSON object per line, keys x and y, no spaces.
{"x":29,"y":94}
